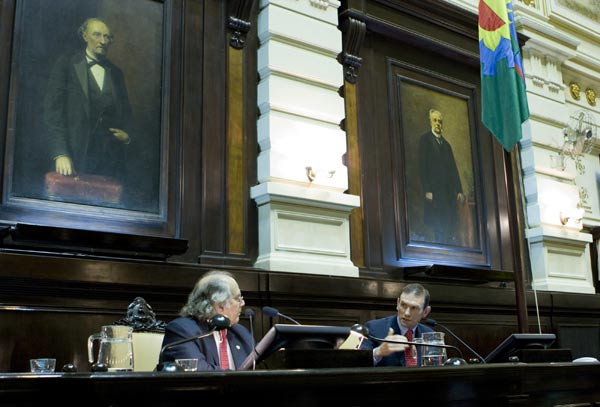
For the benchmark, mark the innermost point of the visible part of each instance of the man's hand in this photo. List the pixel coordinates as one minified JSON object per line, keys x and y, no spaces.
{"x":120,"y":135}
{"x":386,"y":348}
{"x":63,"y":164}
{"x":429,"y":196}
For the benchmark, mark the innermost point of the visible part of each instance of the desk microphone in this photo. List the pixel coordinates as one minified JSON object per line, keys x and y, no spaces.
{"x":249,"y":313}
{"x":433,"y":322}
{"x":363,"y":330}
{"x":216,"y":323}
{"x":274,"y":312}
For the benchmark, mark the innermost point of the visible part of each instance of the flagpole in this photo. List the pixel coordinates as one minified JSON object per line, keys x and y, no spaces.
{"x":519,"y":243}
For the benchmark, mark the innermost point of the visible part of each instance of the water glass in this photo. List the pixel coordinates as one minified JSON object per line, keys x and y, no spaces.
{"x":188,"y":365}
{"x":417,"y":350}
{"x":42,"y":365}
{"x":433,"y":355}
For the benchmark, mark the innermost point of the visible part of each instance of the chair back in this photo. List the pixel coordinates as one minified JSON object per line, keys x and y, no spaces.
{"x":146,"y":350}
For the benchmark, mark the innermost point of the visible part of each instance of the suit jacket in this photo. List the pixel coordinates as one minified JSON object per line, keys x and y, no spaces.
{"x":379,"y":328}
{"x":439,"y":174}
{"x":205,"y":349}
{"x":67,"y":115}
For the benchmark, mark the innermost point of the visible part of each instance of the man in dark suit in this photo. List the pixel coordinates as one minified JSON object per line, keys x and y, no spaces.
{"x":215,"y":293}
{"x":86,"y":108}
{"x":440,"y":182}
{"x":412,"y":306}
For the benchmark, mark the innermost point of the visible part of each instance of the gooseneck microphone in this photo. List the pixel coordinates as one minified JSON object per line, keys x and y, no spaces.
{"x":433,"y":322}
{"x":249,"y":313}
{"x":274,"y":312}
{"x":216,"y":323}
{"x":363,"y":330}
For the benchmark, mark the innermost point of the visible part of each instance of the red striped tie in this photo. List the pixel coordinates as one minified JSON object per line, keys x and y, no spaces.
{"x":223,"y":351}
{"x":409,"y":354}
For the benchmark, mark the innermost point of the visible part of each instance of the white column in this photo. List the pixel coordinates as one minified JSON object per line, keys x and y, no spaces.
{"x":302,"y":208}
{"x":559,"y":251}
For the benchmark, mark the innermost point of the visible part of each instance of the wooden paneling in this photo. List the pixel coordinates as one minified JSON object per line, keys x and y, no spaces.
{"x":50,"y":304}
{"x":205,"y":177}
{"x":500,"y":385}
{"x":433,"y":46}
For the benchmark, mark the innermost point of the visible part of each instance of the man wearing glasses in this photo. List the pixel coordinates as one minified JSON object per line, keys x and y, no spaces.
{"x":216,"y":292}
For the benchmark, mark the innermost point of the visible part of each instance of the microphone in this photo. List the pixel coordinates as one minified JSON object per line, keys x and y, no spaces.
{"x":216,"y":323}
{"x":249,"y":313}
{"x":363,"y":330}
{"x":274,"y":312}
{"x":433,"y":322}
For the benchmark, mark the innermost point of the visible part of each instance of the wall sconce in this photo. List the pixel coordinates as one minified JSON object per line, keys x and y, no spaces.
{"x":557,"y":162}
{"x":312,"y":173}
{"x":579,"y":135}
{"x":572,"y":216}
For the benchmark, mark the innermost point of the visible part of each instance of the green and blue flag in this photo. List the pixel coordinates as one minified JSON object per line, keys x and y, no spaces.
{"x":503,"y":96}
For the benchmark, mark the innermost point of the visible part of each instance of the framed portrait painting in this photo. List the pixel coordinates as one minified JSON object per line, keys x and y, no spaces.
{"x":85,"y":133}
{"x":441,"y":199}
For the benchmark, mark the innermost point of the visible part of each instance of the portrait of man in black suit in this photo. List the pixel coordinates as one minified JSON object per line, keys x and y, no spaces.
{"x":440,"y":182}
{"x":88,"y":97}
{"x":86,"y":108}
{"x":441,"y":195}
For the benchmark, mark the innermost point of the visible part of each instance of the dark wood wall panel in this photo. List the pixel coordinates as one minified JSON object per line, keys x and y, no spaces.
{"x":192,"y":122}
{"x":51,"y":302}
{"x":216,"y":207}
{"x":50,"y":305}
{"x":583,"y":338}
{"x":193,"y":202}
{"x":418,"y":55}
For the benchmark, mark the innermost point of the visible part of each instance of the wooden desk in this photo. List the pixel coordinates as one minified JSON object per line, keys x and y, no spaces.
{"x":536,"y":385}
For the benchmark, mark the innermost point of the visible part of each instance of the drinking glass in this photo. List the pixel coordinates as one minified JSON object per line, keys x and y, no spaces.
{"x":433,"y":355}
{"x":188,"y":365}
{"x":42,"y":365}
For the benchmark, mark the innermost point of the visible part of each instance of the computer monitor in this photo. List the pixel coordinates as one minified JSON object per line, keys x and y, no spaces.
{"x":517,"y":342}
{"x":284,"y":336}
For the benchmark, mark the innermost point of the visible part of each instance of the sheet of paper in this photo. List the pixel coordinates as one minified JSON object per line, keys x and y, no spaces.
{"x":353,"y":341}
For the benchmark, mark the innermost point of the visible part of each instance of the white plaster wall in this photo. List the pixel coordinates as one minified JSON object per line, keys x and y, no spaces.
{"x":297,"y":94}
{"x":304,"y":222}
{"x":562,"y":258}
{"x":563,"y":46}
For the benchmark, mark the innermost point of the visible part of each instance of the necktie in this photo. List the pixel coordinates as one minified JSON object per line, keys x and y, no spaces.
{"x":97,"y":69}
{"x":410,"y":357}
{"x":96,"y":62}
{"x":223,"y":351}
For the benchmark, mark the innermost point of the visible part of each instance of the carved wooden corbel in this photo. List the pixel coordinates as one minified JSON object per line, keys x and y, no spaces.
{"x":349,"y":57}
{"x":239,"y":22}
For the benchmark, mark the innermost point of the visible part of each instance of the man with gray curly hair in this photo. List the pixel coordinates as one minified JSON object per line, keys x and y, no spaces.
{"x":216,"y":292}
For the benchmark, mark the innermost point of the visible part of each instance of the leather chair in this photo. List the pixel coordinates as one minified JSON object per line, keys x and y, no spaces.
{"x":147,"y":336}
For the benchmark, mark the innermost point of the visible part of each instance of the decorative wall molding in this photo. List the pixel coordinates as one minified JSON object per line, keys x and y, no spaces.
{"x":322,"y":4}
{"x":239,"y":22}
{"x":562,"y":260}
{"x":349,"y":57}
{"x":304,"y":230}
